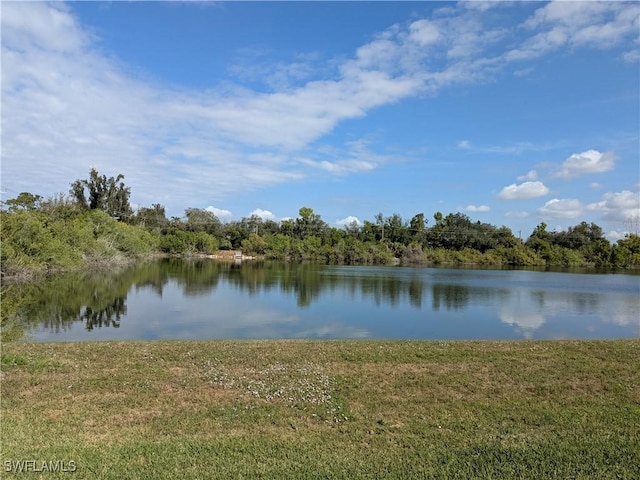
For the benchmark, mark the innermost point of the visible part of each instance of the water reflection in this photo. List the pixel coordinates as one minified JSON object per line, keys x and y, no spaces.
{"x":175,"y":298}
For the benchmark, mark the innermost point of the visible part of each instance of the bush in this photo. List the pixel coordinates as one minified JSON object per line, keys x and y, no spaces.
{"x":254,"y":245}
{"x":278,"y":246}
{"x":202,"y":242}
{"x":181,"y":242}
{"x":172,"y":243}
{"x":518,"y":256}
{"x":413,"y":253}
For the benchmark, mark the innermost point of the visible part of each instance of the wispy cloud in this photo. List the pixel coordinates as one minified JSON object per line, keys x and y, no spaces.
{"x":67,"y":105}
{"x":561,"y":24}
{"x":515,"y":148}
{"x":530,"y":176}
{"x":477,"y":208}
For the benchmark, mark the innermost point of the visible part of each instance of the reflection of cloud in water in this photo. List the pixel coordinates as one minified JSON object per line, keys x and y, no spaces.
{"x":526,"y":321}
{"x":246,"y":323}
{"x":264,"y":317}
{"x":522,"y":313}
{"x":529,"y":311}
{"x":618,"y":314}
{"x":523,"y":319}
{"x":621,"y":310}
{"x":334,"y":331}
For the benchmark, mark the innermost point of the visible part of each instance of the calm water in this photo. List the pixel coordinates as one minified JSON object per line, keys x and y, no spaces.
{"x":176,"y":299}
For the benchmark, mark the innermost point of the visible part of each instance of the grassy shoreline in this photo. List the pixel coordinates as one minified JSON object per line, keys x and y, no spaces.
{"x":323,"y":409}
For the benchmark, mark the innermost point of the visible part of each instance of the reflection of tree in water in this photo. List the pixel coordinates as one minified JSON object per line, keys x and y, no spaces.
{"x":383,"y":289}
{"x":303,"y":280}
{"x":454,"y":297}
{"x":196,"y":276}
{"x":99,"y":299}
{"x":415,"y":292}
{"x":106,"y":317}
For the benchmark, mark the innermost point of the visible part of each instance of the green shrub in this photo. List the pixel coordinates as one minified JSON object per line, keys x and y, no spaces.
{"x":278,"y":246}
{"x":202,"y":242}
{"x":172,"y":243}
{"x":181,"y":242}
{"x":254,"y":245}
{"x":518,"y":256}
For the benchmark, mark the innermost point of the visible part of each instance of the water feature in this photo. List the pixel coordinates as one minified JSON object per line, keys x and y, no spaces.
{"x":205,"y":299}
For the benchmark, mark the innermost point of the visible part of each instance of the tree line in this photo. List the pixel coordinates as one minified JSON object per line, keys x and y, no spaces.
{"x":95,"y":223}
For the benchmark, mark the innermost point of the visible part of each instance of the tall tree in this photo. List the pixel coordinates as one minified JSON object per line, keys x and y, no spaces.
{"x":24,"y":201}
{"x":104,"y":194}
{"x":152,"y":218}
{"x":418,"y":226}
{"x":395,"y":229}
{"x":309,"y":224}
{"x":380,"y":222}
{"x":199,"y":220}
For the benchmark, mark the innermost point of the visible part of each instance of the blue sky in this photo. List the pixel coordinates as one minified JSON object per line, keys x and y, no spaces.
{"x":512,"y":113}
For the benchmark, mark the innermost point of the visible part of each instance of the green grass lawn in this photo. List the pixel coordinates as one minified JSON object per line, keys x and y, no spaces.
{"x":321,"y":409}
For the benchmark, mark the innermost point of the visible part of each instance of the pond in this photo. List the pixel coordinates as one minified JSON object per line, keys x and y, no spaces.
{"x":206,"y":299}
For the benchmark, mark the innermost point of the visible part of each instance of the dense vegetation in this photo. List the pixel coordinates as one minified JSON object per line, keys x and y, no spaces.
{"x":96,"y":224}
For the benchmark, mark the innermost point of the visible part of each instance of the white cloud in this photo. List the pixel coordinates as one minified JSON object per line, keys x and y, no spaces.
{"x":118,"y":121}
{"x":70,"y":107}
{"x":477,"y":208}
{"x":618,"y":206}
{"x":263,"y":214}
{"x":66,"y":104}
{"x":347,"y":221}
{"x":614,"y":235}
{"x":562,"y":208}
{"x":42,"y":26}
{"x":220,"y":213}
{"x":523,"y":191}
{"x":590,"y":161}
{"x":516,"y":214}
{"x":530,"y":176}
{"x":464,"y":144}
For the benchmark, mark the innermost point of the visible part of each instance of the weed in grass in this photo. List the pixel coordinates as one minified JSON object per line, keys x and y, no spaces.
{"x":294,"y":386}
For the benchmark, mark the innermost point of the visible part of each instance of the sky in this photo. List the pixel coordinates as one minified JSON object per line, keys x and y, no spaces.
{"x":513,"y":113}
